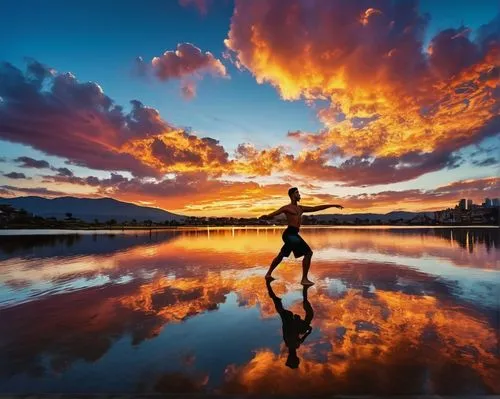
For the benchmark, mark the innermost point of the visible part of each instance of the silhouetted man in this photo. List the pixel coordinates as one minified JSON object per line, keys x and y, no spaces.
{"x":293,"y":241}
{"x":292,"y":324}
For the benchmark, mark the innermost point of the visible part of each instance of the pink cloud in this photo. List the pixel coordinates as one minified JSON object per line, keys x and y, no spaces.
{"x":187,"y":63}
{"x":186,"y":60}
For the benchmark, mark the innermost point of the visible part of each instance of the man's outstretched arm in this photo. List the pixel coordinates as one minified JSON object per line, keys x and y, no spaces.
{"x":319,"y":207}
{"x":273,"y":214}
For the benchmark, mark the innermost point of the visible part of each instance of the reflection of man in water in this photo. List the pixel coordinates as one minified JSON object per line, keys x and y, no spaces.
{"x":293,"y":326}
{"x":294,"y":242}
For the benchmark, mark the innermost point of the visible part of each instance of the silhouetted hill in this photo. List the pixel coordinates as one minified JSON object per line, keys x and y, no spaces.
{"x":89,"y":209}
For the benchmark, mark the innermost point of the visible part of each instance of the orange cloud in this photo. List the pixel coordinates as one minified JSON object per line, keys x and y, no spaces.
{"x":387,"y":99}
{"x":179,"y":152}
{"x":204,"y":197}
{"x":251,"y":161}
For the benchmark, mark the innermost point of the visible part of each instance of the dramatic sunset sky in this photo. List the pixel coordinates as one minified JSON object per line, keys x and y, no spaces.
{"x":217,"y":107}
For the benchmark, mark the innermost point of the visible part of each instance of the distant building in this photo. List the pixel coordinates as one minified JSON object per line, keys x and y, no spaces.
{"x":466,"y":212}
{"x":447,"y":216}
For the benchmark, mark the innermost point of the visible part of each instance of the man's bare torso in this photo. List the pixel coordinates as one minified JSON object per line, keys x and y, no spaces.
{"x":293,"y":215}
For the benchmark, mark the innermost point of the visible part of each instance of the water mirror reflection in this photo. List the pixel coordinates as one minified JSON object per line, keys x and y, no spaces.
{"x":405,"y":311}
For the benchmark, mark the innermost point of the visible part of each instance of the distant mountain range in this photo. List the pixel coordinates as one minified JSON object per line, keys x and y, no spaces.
{"x":89,"y":209}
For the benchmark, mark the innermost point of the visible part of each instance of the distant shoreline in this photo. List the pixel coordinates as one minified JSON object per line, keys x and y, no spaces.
{"x":114,"y":230}
{"x":308,"y":226}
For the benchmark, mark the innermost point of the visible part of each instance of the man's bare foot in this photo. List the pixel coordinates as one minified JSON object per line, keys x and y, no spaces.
{"x":268,"y":277}
{"x":306,"y":282}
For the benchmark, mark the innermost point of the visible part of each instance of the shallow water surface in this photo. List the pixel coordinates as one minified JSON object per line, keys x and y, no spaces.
{"x":393,"y":311}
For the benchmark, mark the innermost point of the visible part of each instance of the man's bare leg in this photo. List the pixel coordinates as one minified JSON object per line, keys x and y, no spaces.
{"x":276,"y":261}
{"x":306,"y":264}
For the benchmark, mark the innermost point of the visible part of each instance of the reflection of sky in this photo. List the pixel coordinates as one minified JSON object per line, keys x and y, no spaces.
{"x":479,"y":285}
{"x":64,"y":263}
{"x":151,"y":356}
{"x":198,"y":309}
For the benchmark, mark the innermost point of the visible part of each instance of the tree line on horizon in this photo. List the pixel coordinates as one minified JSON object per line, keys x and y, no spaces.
{"x":11,"y":217}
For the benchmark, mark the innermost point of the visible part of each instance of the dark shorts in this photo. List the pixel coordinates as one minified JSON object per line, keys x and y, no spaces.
{"x":294,"y":242}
